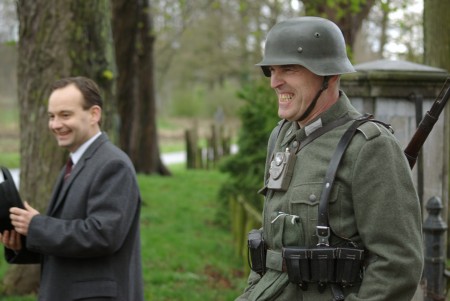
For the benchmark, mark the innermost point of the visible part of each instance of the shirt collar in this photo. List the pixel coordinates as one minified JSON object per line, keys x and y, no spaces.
{"x":75,"y":156}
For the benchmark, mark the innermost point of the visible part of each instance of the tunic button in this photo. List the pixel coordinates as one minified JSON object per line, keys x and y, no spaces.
{"x":312,"y":198}
{"x":295,"y":144}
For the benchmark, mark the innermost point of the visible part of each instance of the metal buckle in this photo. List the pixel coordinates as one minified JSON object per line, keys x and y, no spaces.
{"x":323,"y":233}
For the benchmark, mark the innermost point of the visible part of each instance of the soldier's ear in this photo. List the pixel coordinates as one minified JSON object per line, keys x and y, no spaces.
{"x":333,"y":78}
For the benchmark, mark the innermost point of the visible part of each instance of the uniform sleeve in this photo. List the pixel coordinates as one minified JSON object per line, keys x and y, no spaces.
{"x":389,"y":222}
{"x":253,"y":279}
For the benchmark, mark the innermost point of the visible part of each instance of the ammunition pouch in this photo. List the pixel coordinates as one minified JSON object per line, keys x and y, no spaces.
{"x":323,"y":265}
{"x":257,"y":251}
{"x":349,"y":265}
{"x":297,"y":265}
{"x":322,"y":262}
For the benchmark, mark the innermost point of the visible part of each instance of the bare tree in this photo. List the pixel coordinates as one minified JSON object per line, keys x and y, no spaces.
{"x":134,"y":43}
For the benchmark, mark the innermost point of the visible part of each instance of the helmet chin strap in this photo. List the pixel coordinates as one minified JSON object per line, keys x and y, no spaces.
{"x":314,"y":101}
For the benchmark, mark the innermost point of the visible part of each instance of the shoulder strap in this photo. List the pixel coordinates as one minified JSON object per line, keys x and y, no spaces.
{"x":323,"y":229}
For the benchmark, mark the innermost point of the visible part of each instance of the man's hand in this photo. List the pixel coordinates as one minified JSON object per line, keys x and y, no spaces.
{"x":21,"y":218}
{"x":11,"y":240}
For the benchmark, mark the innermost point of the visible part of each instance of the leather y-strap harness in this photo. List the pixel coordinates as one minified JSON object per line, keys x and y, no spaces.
{"x":323,"y":228}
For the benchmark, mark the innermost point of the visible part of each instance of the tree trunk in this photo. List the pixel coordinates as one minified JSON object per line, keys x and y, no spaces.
{"x":56,"y":39}
{"x":91,"y":52}
{"x":348,"y":15}
{"x":384,"y":27}
{"x":124,"y":25}
{"x":436,"y":28}
{"x":148,"y":158}
{"x":134,"y":43}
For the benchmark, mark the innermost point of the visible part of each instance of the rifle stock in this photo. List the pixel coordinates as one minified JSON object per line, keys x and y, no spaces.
{"x":426,"y":125}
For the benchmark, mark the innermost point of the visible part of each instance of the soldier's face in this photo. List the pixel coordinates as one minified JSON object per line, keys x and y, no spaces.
{"x":70,"y":123}
{"x":296,"y":87}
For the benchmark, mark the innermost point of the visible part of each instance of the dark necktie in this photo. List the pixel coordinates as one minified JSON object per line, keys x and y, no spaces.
{"x":69,"y":165}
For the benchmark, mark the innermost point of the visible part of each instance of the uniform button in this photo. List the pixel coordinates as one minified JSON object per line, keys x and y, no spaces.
{"x":312,"y":198}
{"x":295,"y":144}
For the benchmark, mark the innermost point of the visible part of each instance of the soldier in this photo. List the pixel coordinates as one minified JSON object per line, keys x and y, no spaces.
{"x":333,"y":229}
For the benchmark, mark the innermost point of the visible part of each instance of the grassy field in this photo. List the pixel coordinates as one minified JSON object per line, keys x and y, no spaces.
{"x":186,"y":256}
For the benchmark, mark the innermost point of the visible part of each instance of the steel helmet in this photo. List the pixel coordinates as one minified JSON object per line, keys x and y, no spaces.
{"x":313,"y":42}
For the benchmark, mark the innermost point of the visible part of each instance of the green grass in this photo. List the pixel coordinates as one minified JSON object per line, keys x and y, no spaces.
{"x":10,"y":160}
{"x":185,"y":255}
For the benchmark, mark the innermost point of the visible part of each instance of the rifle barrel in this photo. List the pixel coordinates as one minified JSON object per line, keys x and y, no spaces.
{"x":426,"y":125}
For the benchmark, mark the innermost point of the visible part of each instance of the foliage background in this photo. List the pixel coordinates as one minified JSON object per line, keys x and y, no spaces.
{"x":258,"y":117}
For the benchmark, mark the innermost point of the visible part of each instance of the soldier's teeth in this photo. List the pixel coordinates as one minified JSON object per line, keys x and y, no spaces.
{"x":285,"y":97}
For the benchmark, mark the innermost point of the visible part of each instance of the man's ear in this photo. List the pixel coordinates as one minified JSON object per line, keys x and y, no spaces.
{"x":96,"y":114}
{"x":333,"y":78}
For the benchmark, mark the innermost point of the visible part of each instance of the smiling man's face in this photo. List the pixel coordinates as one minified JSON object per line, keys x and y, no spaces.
{"x":296,"y":87}
{"x":70,"y":123}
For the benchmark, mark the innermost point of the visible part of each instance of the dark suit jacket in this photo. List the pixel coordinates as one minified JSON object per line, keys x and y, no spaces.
{"x":89,"y":241}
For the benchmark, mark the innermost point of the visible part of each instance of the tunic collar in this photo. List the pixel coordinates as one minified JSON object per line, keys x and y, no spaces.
{"x":336,"y":111}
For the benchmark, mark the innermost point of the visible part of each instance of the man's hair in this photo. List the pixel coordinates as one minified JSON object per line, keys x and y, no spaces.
{"x":87,"y":87}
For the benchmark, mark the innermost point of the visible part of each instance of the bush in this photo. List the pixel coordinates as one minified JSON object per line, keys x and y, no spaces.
{"x":246,"y":168}
{"x":202,"y":101}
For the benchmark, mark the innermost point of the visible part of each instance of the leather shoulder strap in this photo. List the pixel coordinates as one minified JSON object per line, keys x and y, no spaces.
{"x":323,"y":229}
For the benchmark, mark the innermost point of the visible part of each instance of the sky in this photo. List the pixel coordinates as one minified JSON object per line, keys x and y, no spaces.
{"x":397,"y":44}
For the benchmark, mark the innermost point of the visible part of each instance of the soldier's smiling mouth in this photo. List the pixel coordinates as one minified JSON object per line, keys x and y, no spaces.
{"x":285,"y":97}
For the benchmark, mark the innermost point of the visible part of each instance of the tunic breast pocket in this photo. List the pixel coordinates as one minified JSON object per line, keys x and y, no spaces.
{"x":304,"y":202}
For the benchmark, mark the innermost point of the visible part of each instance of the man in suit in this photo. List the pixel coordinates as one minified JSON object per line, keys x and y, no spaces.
{"x":89,"y":241}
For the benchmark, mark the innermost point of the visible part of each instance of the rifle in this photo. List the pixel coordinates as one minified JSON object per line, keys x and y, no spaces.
{"x":426,"y":125}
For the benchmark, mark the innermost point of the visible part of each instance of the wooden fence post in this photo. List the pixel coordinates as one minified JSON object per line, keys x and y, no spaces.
{"x":244,"y":217}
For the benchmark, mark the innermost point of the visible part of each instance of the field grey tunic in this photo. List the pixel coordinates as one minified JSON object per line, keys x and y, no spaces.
{"x":373,"y":203}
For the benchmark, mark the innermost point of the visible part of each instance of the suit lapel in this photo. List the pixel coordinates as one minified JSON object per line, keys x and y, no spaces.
{"x":63,"y":186}
{"x":56,"y":191}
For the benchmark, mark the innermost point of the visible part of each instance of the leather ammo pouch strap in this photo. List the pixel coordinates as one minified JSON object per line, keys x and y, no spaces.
{"x":327,"y":264}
